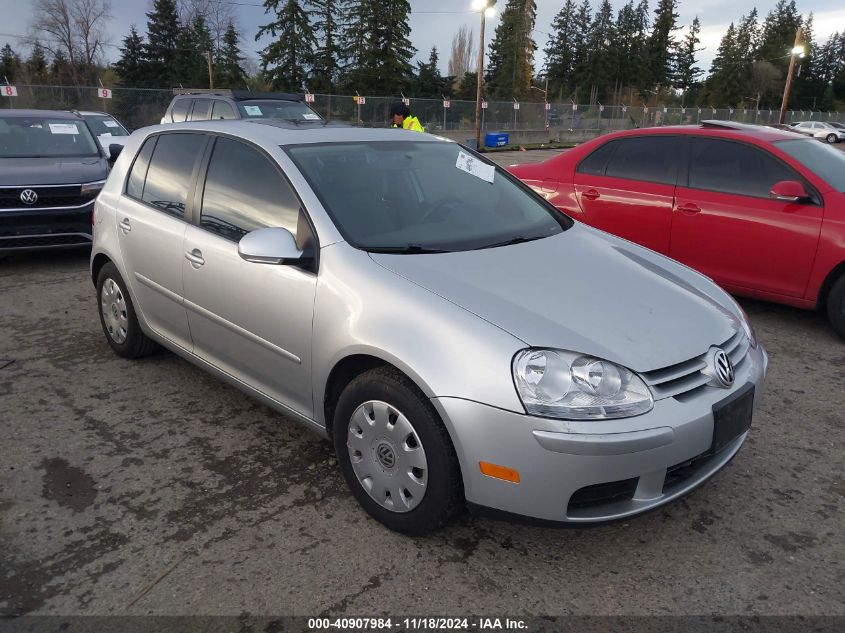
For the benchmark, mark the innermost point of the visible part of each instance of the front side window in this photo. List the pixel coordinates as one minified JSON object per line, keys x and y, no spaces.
{"x":823,"y":160}
{"x":416,"y":196}
{"x":245,"y":192}
{"x":169,"y":175}
{"x":222,"y":110}
{"x":103,"y":124}
{"x":737,"y":168}
{"x":44,"y":137}
{"x":645,"y":158}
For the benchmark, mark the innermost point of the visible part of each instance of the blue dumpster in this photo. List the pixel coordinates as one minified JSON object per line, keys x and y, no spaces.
{"x":496,"y":139}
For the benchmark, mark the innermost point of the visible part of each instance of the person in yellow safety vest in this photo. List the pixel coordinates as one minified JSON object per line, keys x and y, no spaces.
{"x":400,"y":116}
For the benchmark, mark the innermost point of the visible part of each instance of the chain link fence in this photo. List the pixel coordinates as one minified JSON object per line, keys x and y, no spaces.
{"x":138,"y":107}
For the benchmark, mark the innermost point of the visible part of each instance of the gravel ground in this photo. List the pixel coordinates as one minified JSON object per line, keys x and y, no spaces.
{"x":150,"y":487}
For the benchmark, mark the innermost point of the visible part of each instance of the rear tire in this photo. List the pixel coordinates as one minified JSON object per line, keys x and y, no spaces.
{"x":399,"y":444}
{"x":836,"y":306}
{"x":117,"y":316}
{"x":831,"y":138}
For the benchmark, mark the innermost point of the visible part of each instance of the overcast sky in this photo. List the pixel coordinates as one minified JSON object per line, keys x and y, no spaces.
{"x":434,"y":22}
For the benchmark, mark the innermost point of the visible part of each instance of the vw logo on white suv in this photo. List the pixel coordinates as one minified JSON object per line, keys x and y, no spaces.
{"x":28,"y":196}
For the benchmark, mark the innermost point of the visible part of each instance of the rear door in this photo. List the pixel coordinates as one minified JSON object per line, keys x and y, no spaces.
{"x":251,"y":320}
{"x":726,"y":225}
{"x":627,"y":187}
{"x":151,"y":228}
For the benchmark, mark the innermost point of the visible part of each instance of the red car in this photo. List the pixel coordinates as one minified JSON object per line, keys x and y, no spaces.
{"x":759,"y":210}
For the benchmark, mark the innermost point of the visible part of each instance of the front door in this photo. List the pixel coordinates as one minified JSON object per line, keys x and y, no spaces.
{"x":252,"y":321}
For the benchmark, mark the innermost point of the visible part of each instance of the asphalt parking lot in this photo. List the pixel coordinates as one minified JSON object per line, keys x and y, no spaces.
{"x":150,"y":487}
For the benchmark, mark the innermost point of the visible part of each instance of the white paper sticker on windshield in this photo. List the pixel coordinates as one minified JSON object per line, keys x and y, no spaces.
{"x":63,"y":128}
{"x":311,"y":116}
{"x":110,"y":123}
{"x":473,"y":166}
{"x":253,"y":110}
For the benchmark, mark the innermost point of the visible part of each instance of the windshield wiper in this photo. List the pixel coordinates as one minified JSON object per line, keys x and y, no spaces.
{"x":412,"y":249}
{"x":514,"y":240}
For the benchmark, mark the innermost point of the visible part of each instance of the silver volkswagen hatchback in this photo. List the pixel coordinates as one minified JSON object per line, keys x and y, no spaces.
{"x":460,"y":341}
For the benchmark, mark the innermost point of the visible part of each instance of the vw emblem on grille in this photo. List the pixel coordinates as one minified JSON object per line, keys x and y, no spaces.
{"x":386,"y":456}
{"x":719,"y":368}
{"x":28,"y":196}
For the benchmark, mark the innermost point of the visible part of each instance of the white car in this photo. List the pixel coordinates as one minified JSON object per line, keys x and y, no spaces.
{"x":106,"y":128}
{"x":824,"y":131}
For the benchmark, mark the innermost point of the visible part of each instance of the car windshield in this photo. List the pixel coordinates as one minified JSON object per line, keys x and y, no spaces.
{"x":838,"y":126}
{"x":823,"y":160}
{"x":277,"y":109}
{"x":422,"y":196}
{"x":41,"y":137}
{"x":103,"y":124}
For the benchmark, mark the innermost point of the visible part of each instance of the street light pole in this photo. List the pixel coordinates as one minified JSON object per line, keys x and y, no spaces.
{"x":797,"y":51}
{"x":485,"y":8}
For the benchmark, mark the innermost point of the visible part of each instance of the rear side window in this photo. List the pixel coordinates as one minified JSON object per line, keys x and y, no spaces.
{"x":245,"y":192}
{"x":179,"y":113}
{"x":646,"y":158}
{"x":737,"y":168}
{"x":135,"y":183}
{"x":200,"y":111}
{"x":595,"y":163}
{"x":222,"y":110}
{"x":169,"y":175}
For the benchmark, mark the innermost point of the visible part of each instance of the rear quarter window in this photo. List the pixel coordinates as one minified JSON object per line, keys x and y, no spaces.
{"x":595,"y":162}
{"x":179,"y":113}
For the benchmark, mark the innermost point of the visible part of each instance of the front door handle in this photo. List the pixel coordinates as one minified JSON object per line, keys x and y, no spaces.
{"x":125,"y":226}
{"x":195,"y":257}
{"x":592,"y":194}
{"x":689,"y":208}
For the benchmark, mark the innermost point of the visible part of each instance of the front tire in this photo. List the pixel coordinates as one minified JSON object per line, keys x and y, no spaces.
{"x":831,"y":138}
{"x":118,"y":318}
{"x":395,"y":454}
{"x":836,"y":306}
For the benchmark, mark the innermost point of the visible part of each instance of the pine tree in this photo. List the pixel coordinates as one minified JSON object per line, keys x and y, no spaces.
{"x":10,"y":63}
{"x":726,"y":80}
{"x":36,"y":65}
{"x":429,"y":82}
{"x":778,"y":34}
{"x":131,"y":66}
{"x":581,"y":29}
{"x":660,"y":54}
{"x":229,"y":72}
{"x":394,"y":50}
{"x":161,"y":49}
{"x":287,"y":60}
{"x":511,"y":67}
{"x":596,"y":73}
{"x":194,"y":44}
{"x":560,"y":50}
{"x":327,"y":26}
{"x":687,"y":73}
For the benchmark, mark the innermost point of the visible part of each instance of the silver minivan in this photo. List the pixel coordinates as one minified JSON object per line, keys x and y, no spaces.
{"x":460,"y":341}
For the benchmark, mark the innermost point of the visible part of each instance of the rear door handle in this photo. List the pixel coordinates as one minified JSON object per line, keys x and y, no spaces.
{"x":125,"y":226}
{"x":689,"y":208}
{"x":195,"y":257}
{"x":592,"y":194}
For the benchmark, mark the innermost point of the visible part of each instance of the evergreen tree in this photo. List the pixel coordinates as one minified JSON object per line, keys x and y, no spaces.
{"x":468,"y":88}
{"x":327,"y":28}
{"x":36,"y":65}
{"x":687,"y":73}
{"x":430,"y":83}
{"x":10,"y":63}
{"x":661,"y":50}
{"x":778,"y":35}
{"x":597,"y":70}
{"x":193,"y":45}
{"x":162,"y":42}
{"x":511,"y":67}
{"x":394,"y":50}
{"x":726,"y":80}
{"x":131,"y":67}
{"x":287,"y":60}
{"x":560,"y":50}
{"x":229,"y":72}
{"x":581,"y":28}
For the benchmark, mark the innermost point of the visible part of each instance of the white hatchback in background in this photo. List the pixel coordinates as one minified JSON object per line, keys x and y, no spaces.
{"x":107,"y":129}
{"x":460,"y":340}
{"x":821,"y":130}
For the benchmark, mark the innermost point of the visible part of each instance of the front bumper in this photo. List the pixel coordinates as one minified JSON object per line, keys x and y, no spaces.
{"x":586,"y":472}
{"x":34,"y":229}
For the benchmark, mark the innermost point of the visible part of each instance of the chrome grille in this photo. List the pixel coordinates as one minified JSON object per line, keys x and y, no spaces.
{"x":683,"y":378}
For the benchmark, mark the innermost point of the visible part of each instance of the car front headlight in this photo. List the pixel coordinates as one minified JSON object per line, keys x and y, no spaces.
{"x":570,"y":386}
{"x":92,"y":189}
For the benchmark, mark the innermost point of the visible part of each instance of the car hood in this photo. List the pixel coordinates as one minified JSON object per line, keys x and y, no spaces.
{"x":585,"y":291}
{"x":51,"y":171}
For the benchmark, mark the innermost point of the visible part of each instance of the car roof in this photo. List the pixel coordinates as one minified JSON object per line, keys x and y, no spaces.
{"x":92,"y":112}
{"x":724,"y":129}
{"x":265,"y":132}
{"x":239,"y":95}
{"x":53,"y":114}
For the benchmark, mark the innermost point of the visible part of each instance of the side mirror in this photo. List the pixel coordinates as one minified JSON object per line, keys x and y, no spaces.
{"x":269,"y":246}
{"x":114,"y":151}
{"x":789,"y":191}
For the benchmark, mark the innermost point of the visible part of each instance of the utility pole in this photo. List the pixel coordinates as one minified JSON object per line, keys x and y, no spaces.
{"x":797,"y":51}
{"x":210,"y":71}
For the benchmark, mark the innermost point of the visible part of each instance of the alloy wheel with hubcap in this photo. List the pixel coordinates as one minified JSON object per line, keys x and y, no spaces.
{"x":113,"y":308}
{"x":387,"y":456}
{"x":831,"y":138}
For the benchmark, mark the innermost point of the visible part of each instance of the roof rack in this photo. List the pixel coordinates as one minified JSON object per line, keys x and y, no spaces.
{"x":202,"y":91}
{"x":729,"y":125}
{"x":238,"y":95}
